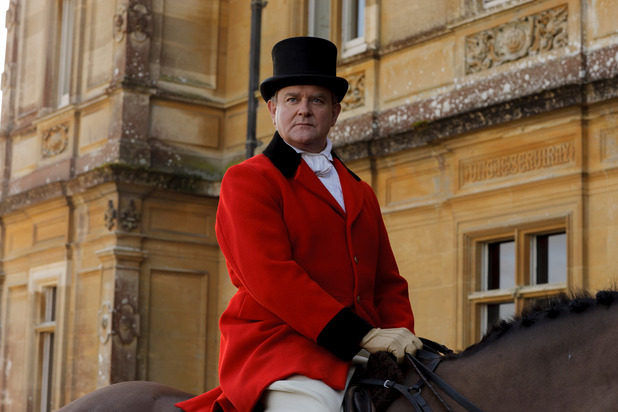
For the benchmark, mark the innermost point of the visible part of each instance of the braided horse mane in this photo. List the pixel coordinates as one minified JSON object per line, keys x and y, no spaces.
{"x":561,"y":305}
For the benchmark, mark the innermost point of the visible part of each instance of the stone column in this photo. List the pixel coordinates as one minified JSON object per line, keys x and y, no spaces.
{"x":119,"y":318}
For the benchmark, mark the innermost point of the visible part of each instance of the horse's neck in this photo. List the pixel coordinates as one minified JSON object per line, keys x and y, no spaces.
{"x":542,"y":366}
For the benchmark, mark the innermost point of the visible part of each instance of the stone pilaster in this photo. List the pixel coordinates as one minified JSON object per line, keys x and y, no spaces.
{"x":119,"y":317}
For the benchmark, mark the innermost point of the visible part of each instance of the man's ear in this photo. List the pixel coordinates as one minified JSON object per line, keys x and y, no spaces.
{"x":272,"y":108}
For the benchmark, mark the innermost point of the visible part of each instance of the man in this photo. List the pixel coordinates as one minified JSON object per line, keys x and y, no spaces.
{"x":306,"y":246}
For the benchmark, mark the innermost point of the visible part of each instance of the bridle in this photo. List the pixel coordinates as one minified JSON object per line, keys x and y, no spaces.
{"x":432,"y":354}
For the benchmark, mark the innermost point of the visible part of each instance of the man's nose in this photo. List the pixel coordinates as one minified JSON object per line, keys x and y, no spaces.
{"x":303,"y":108}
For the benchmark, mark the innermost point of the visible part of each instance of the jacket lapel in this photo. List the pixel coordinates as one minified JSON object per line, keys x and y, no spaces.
{"x":350,"y":186}
{"x":290,"y":164}
{"x":306,"y":177}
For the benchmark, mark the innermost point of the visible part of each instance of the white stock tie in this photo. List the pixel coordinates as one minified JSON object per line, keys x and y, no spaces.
{"x":323,"y":168}
{"x":318,"y":162}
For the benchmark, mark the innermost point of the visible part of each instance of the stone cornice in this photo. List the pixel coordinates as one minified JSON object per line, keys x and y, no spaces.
{"x":484,"y":101}
{"x":111,"y":173}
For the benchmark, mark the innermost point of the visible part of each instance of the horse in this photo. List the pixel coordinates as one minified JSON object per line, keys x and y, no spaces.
{"x":562,"y":356}
{"x":559,"y":357}
{"x":130,"y":396}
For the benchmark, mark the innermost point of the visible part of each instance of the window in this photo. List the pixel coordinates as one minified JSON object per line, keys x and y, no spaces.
{"x":514,"y":268}
{"x":45,"y":330}
{"x":319,"y":18}
{"x":353,"y":27}
{"x":65,"y":51}
{"x":340,"y":21}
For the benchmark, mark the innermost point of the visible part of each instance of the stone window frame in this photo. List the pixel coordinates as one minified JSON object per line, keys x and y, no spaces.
{"x":42,"y":280}
{"x":524,"y":291}
{"x":491,"y":3}
{"x":487,"y":4}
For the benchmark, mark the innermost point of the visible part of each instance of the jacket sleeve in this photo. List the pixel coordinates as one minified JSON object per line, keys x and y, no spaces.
{"x":253,"y":237}
{"x":391,"y":297}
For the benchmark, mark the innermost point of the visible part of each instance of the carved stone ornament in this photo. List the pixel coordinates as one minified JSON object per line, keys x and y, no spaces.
{"x":130,"y":217}
{"x":5,"y":80}
{"x":517,"y":39}
{"x":128,"y":324}
{"x":54,"y":140}
{"x":135,"y":20}
{"x":139,"y":22}
{"x":356,"y":93}
{"x":11,"y":15}
{"x":120,"y":23}
{"x":105,"y":322}
{"x":110,"y":215}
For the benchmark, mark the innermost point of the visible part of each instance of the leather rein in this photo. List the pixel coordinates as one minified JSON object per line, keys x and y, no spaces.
{"x":432,"y":353}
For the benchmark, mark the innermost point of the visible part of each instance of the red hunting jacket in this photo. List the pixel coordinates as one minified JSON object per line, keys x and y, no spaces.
{"x":312,"y":279}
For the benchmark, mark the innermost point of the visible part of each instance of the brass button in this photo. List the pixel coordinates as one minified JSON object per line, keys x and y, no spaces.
{"x":358,"y":298}
{"x":355,"y":260}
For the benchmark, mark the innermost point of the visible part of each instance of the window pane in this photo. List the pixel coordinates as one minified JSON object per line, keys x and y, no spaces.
{"x":500,"y":265}
{"x":360,"y":18}
{"x":50,"y":304}
{"x":319,"y":18}
{"x":557,"y":259}
{"x":549,"y":259}
{"x":353,"y":19}
{"x":494,"y":312}
{"x":47,"y":341}
{"x":66,"y":51}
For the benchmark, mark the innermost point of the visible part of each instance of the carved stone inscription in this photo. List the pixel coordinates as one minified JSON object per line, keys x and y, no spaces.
{"x":528,"y":161}
{"x":517,"y":39}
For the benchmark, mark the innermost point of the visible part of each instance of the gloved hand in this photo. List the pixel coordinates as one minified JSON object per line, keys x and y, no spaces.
{"x":397,"y":341}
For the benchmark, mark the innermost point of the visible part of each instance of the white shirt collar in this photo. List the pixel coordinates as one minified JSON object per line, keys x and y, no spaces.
{"x":326,"y":152}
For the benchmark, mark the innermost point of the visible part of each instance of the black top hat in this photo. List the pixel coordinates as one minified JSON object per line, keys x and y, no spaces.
{"x":304,"y":60}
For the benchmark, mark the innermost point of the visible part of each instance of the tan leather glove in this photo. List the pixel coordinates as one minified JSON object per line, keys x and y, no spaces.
{"x":397,"y":341}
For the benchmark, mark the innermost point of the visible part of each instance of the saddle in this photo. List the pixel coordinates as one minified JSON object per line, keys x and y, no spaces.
{"x":374,"y":387}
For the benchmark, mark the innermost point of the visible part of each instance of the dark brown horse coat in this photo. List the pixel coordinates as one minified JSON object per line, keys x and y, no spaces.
{"x":312,"y":278}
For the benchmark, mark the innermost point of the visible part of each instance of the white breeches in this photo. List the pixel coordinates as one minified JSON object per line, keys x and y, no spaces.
{"x":299,"y":393}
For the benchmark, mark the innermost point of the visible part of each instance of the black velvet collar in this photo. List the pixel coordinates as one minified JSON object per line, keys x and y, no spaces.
{"x":287,"y":159}
{"x":283,"y":156}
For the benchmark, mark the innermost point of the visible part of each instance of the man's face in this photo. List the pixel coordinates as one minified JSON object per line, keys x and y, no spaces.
{"x":303,"y":115}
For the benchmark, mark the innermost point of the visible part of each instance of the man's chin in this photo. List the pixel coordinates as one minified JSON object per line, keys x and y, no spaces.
{"x":307,"y":143}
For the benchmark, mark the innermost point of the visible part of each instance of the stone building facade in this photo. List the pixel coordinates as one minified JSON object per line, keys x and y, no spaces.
{"x":487,"y":128}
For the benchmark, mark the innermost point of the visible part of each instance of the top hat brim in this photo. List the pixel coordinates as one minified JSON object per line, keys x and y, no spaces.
{"x":270,"y":86}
